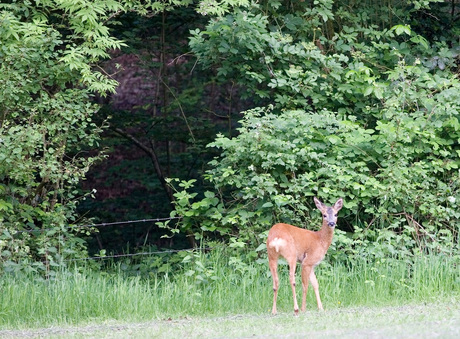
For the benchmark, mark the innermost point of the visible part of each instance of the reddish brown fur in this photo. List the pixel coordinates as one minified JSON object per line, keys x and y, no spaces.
{"x":308,"y":247}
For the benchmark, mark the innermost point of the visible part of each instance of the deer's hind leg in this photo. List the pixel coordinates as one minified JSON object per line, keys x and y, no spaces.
{"x":273,"y":264}
{"x":292,"y":268}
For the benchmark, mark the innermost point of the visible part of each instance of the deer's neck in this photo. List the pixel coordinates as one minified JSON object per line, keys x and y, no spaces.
{"x":325,"y":234}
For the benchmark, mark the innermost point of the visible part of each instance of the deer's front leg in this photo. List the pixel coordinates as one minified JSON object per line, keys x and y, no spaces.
{"x":315,"y":285}
{"x":306,"y":271}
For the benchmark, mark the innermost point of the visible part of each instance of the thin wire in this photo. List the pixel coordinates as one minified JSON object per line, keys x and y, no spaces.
{"x":113,"y":224}
{"x":101,"y":224}
{"x":142,"y":253}
{"x":129,"y":255}
{"x":125,"y":222}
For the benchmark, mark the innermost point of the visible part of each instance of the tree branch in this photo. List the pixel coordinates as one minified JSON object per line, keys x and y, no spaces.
{"x":153,"y":157}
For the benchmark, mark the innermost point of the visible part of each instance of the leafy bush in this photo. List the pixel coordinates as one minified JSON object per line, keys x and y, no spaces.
{"x":362,"y":113}
{"x":46,"y":130}
{"x":49,"y":69}
{"x":395,"y":189}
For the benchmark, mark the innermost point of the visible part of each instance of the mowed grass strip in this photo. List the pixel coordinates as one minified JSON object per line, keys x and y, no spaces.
{"x":440,"y":320}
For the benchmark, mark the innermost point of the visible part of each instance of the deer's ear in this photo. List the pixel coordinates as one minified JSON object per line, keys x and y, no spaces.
{"x":338,"y":205}
{"x":318,"y":203}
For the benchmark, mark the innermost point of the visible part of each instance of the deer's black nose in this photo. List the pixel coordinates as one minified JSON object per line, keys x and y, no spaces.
{"x":331,"y":224}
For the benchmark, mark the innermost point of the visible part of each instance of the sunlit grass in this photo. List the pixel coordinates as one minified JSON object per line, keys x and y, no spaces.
{"x":209,"y":286}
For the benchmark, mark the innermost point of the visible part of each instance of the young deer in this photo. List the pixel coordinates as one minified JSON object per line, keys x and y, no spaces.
{"x":308,"y":247}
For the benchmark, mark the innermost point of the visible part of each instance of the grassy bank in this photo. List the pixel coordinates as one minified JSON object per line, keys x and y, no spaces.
{"x":208,"y":285}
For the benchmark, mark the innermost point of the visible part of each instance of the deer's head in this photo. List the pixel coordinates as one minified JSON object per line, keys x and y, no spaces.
{"x":329,"y":213}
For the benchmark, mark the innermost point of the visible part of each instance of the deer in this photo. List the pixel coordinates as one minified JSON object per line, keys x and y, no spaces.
{"x":301,"y":245}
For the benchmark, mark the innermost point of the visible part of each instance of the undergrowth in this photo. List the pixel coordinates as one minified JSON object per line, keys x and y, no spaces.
{"x":211,"y":284}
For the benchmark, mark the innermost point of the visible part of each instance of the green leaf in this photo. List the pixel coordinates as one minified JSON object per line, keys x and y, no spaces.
{"x":368,"y":91}
{"x":402,"y":29}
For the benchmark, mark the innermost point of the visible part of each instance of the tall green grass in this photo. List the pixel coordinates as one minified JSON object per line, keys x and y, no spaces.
{"x":210,"y":285}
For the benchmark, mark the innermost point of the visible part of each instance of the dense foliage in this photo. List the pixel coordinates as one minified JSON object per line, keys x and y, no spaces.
{"x":360,"y":108}
{"x":46,"y":125}
{"x":348,"y":99}
{"x":50,"y":69}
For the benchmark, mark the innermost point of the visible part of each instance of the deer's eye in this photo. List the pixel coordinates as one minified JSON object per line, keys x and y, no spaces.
{"x":335,"y":215}
{"x":324,"y":215}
